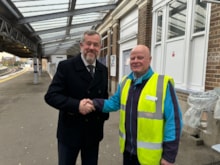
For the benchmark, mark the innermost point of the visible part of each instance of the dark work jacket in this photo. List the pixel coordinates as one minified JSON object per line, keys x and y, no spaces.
{"x":71,"y":83}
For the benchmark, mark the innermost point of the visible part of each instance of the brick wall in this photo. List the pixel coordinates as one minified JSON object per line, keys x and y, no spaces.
{"x":182,"y":96}
{"x":145,"y":24}
{"x":115,"y":38}
{"x":213,"y":59}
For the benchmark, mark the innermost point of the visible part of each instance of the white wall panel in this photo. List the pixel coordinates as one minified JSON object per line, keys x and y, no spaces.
{"x":57,"y":58}
{"x":128,"y":39}
{"x":157,"y":59}
{"x":175,"y":59}
{"x":129,"y":25}
{"x":197,"y":66}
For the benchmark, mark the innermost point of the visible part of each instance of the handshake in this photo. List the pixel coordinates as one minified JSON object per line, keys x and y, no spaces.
{"x":86,"y":106}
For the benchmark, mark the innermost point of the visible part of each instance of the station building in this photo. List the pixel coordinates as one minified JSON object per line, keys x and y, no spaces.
{"x":183,"y":36}
{"x":184,"y":39}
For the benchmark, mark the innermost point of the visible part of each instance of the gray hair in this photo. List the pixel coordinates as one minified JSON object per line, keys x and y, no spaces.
{"x":90,"y":33}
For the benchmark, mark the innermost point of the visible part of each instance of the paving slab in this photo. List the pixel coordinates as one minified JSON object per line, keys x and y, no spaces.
{"x":28,"y":129}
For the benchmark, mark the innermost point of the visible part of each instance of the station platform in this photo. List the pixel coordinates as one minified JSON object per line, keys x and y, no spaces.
{"x":28,"y":125}
{"x":28,"y":128}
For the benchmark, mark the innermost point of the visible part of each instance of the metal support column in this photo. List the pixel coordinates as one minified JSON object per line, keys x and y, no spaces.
{"x":40,"y":66}
{"x":35,"y":70}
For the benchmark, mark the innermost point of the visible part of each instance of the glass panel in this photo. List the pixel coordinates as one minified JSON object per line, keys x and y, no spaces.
{"x":40,"y":7}
{"x":177,"y":19}
{"x":159,"y":25}
{"x":58,"y":25}
{"x":200,"y":16}
{"x":92,"y":3}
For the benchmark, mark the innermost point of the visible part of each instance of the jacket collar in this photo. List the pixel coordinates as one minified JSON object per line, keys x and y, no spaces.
{"x":83,"y":72}
{"x":139,"y":80}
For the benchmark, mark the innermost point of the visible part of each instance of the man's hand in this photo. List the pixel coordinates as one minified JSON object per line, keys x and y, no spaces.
{"x":86,"y":106}
{"x":164,"y":162}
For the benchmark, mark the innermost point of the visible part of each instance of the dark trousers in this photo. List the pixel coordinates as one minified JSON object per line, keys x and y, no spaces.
{"x":129,"y":159}
{"x":67,"y":155}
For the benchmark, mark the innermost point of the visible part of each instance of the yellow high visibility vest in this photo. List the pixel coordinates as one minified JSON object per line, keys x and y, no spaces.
{"x":150,"y":121}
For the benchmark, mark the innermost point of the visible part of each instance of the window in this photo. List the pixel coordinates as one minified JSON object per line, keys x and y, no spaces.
{"x":104,"y":50}
{"x":159,"y":26}
{"x":177,"y":19}
{"x":200,"y":16}
{"x":126,"y":63}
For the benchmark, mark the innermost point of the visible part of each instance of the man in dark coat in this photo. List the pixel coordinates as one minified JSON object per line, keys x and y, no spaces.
{"x":72,"y":82}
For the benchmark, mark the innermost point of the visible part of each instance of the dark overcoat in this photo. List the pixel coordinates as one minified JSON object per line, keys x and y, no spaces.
{"x":71,"y":83}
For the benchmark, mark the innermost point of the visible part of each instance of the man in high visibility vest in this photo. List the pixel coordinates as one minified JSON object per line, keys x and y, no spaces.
{"x":150,"y":117}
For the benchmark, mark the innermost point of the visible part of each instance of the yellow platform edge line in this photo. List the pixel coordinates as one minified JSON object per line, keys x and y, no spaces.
{"x":16,"y":74}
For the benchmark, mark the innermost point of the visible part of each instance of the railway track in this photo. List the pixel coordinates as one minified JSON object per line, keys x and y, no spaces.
{"x":10,"y":71}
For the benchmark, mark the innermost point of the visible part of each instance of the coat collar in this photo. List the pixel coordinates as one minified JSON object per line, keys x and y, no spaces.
{"x":83,"y":72}
{"x":79,"y":65}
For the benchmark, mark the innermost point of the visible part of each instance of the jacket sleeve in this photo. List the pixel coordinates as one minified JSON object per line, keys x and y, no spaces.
{"x":108,"y":105}
{"x":173,"y":125}
{"x":56,"y":95}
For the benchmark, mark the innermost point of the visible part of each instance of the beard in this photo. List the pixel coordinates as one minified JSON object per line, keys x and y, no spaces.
{"x":90,"y":57}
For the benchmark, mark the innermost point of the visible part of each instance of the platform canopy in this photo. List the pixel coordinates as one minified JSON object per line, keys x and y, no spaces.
{"x":48,"y":27}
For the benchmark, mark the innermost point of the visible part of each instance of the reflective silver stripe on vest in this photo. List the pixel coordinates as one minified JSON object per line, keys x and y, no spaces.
{"x":159,"y":108}
{"x":123,"y":84}
{"x":149,"y":145}
{"x":150,"y":115}
{"x":158,"y":114}
{"x":123,"y":107}
{"x":121,"y":135}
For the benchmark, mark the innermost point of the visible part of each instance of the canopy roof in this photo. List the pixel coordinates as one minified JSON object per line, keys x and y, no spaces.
{"x":48,"y":27}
